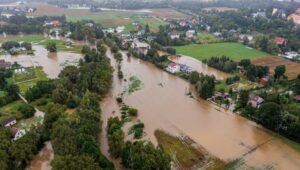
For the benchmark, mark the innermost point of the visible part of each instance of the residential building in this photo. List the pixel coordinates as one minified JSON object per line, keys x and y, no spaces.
{"x":291,"y":55}
{"x":140,"y":48}
{"x":295,"y":17}
{"x":173,"y":68}
{"x":255,"y":101}
{"x":190,"y":33}
{"x":16,"y":133}
{"x":185,"y":69}
{"x":264,"y":81}
{"x":280,"y":41}
{"x":220,"y":95}
{"x":8,"y":122}
{"x":174,"y":34}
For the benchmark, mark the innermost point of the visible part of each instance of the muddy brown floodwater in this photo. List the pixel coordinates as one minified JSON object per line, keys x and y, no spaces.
{"x":163,"y":104}
{"x":43,"y":159}
{"x":52,"y":63}
{"x":199,"y":66}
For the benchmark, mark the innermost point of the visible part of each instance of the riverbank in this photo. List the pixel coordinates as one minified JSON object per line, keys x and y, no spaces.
{"x":163,"y":104}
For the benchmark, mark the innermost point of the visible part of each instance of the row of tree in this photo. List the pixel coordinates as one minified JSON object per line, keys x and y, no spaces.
{"x":137,"y":155}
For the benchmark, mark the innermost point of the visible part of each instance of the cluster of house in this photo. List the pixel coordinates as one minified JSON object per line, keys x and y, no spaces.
{"x":188,"y":34}
{"x":4,"y":64}
{"x":176,"y":68}
{"x":15,"y":132}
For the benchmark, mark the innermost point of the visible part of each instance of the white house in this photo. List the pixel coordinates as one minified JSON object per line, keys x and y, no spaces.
{"x":8,"y":122}
{"x":190,"y":33}
{"x":120,"y":29}
{"x":173,"y":68}
{"x":174,"y":35}
{"x":291,"y":54}
{"x":16,"y":133}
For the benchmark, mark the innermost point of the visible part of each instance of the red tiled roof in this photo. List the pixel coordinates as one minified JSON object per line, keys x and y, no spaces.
{"x":13,"y":131}
{"x":55,"y":22}
{"x":297,"y":11}
{"x":295,"y":18}
{"x":297,"y":98}
{"x":279,"y":40}
{"x":172,"y":65}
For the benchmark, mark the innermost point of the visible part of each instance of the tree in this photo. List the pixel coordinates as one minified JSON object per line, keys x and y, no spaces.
{"x":194,"y":77}
{"x":114,"y":49}
{"x":85,"y":49}
{"x":270,"y":115}
{"x":279,"y":71}
{"x":74,"y":162}
{"x":272,"y":47}
{"x":51,"y":46}
{"x":245,"y":63}
{"x":244,"y":97}
{"x":27,"y":110}
{"x":147,"y":29}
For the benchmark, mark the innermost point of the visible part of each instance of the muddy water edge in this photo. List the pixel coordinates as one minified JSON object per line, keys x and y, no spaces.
{"x":163,"y":104}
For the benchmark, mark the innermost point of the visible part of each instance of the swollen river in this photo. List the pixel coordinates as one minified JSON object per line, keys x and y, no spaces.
{"x":163,"y":104}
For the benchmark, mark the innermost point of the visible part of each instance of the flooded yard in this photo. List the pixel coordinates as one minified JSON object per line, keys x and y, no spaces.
{"x":52,"y":63}
{"x":43,"y":159}
{"x":163,"y":104}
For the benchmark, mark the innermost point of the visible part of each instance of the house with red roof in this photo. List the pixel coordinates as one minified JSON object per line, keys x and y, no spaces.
{"x":173,"y":68}
{"x":255,"y":101}
{"x":55,"y":22}
{"x":16,"y":133}
{"x":297,"y":98}
{"x":280,"y":40}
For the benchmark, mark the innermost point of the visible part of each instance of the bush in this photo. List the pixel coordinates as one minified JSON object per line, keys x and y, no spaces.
{"x":114,"y":49}
{"x":119,"y":99}
{"x":133,"y":112}
{"x":27,"y":110}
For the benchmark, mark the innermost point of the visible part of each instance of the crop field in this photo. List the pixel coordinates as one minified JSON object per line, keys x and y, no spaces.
{"x":292,"y":68}
{"x":235,"y":51}
{"x":109,"y":18}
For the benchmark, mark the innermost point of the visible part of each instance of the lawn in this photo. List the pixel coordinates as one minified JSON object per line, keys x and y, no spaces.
{"x":116,"y":18}
{"x":206,"y":38}
{"x":184,"y":155}
{"x":10,"y":110}
{"x":235,"y":51}
{"x":26,"y":84}
{"x":25,"y":38}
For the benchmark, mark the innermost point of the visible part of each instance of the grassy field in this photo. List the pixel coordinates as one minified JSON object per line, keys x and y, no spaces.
{"x":186,"y":156}
{"x":24,"y":85}
{"x":107,"y":18}
{"x":206,"y":38}
{"x":26,"y":38}
{"x":10,"y":110}
{"x":235,"y":51}
{"x":113,"y":19}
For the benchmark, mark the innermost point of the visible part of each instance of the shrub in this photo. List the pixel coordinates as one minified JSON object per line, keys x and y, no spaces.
{"x":27,"y":110}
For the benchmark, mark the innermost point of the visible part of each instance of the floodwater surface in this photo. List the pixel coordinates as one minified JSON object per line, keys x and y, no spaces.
{"x":199,"y":66}
{"x":52,"y":63}
{"x":163,"y":104}
{"x":43,"y":159}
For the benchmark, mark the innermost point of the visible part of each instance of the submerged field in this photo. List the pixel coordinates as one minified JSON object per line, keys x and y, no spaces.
{"x":235,"y":51}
